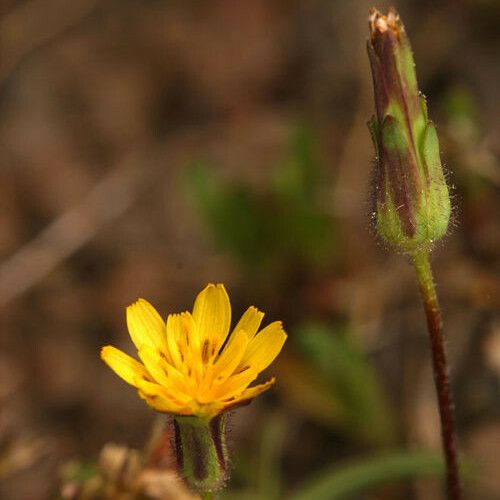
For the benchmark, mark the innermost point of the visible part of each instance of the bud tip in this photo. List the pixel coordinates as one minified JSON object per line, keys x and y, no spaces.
{"x":379,"y":24}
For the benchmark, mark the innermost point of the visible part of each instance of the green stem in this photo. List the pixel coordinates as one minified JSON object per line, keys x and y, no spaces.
{"x":440,"y":367}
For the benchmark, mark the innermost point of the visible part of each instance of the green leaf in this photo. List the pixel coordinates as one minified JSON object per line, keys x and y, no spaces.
{"x":271,"y":446}
{"x":299,"y":176}
{"x":364,"y":411}
{"x":338,"y":483}
{"x":232,"y":212}
{"x":269,"y":232}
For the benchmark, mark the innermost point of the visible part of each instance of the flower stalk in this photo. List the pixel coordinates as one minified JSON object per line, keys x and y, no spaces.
{"x":440,"y":366}
{"x":411,"y":200}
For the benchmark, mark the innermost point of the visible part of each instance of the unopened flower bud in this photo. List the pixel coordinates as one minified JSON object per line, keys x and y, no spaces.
{"x":411,"y":199}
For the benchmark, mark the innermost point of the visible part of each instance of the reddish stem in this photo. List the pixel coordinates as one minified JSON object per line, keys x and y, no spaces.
{"x":441,"y":378}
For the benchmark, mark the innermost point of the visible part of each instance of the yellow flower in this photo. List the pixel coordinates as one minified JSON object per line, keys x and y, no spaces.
{"x":190,"y":364}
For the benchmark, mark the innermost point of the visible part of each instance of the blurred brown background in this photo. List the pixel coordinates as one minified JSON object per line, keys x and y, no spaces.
{"x":114,"y":118}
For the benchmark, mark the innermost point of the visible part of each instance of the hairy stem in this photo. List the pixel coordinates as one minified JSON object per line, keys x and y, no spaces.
{"x":440,"y":367}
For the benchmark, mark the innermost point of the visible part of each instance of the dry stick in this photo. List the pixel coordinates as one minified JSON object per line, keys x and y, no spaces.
{"x":34,"y":24}
{"x":440,"y":367}
{"x":106,"y":202}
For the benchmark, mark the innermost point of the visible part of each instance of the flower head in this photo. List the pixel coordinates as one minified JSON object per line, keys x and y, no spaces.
{"x":412,"y":203}
{"x":191,"y":365}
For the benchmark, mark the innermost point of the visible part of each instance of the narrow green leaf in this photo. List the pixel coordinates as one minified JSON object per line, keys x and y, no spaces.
{"x":338,"y":483}
{"x":361,"y":405}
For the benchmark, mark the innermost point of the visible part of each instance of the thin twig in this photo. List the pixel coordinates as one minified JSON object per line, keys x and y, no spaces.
{"x":106,"y":202}
{"x":34,"y":24}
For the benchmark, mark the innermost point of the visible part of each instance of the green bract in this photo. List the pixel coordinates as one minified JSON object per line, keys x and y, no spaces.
{"x":201,"y":451}
{"x":411,"y":199}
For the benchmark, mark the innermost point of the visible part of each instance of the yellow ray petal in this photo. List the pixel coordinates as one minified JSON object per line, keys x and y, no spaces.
{"x":218,"y":372}
{"x":264,"y":347}
{"x":206,"y":410}
{"x":234,"y":385}
{"x":175,"y":341}
{"x":190,"y":331}
{"x":231,"y":356}
{"x":183,"y":340}
{"x":146,"y":325}
{"x":212,"y":314}
{"x":163,"y":373}
{"x":160,"y":403}
{"x":156,"y":391}
{"x":248,"y":394}
{"x":154,"y":363}
{"x":123,"y":365}
{"x":250,"y":321}
{"x":252,"y":392}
